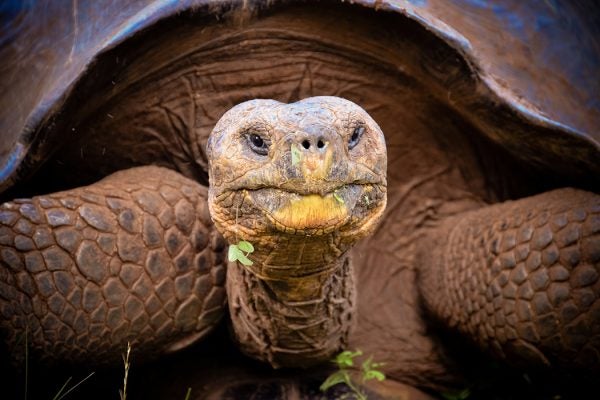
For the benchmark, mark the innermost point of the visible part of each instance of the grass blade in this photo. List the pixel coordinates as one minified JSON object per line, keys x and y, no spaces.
{"x":57,"y":395}
{"x":26,"y":361}
{"x":76,"y":385}
{"x":123,"y":393}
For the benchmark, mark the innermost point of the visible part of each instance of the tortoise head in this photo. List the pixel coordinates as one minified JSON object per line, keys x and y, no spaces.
{"x":307,"y":170}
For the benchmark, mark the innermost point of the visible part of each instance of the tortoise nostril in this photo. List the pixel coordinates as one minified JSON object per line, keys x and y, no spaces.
{"x":306,"y":144}
{"x":320,"y":144}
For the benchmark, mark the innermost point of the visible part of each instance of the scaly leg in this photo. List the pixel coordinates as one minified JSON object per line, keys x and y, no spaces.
{"x":133,"y":257}
{"x":521,"y":278}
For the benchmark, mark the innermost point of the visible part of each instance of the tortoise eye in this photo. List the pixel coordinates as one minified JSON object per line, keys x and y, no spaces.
{"x":355,"y":138}
{"x":258,"y":144}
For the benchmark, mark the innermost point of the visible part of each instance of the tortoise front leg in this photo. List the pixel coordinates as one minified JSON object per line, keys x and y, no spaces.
{"x":133,"y":257}
{"x":521,"y":278}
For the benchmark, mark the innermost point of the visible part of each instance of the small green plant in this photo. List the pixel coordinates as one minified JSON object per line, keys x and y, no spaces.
{"x":338,"y":197}
{"x":239,"y":252}
{"x":296,"y":155}
{"x":344,"y":362}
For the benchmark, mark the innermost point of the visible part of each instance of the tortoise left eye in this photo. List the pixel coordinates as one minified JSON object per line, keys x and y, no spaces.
{"x":355,"y":138}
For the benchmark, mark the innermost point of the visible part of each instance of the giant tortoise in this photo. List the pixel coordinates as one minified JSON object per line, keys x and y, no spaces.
{"x":475,"y":122}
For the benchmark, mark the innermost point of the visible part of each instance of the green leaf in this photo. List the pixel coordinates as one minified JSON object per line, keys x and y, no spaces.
{"x":244,"y":260}
{"x":334,"y":379}
{"x":374,"y":374}
{"x":369,"y":371}
{"x":338,"y":197}
{"x":344,"y":359}
{"x":296,"y":154}
{"x":245,"y":246}
{"x":235,"y":254}
{"x":366,"y":365}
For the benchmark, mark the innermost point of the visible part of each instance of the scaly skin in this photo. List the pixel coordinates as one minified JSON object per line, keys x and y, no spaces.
{"x":133,"y":257}
{"x":521,"y":278}
{"x":303,"y":203}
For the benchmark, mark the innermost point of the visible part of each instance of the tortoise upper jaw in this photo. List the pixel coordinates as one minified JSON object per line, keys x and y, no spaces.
{"x":255,"y":181}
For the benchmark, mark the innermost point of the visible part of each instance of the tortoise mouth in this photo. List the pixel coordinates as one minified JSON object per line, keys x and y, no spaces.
{"x":308,"y":214}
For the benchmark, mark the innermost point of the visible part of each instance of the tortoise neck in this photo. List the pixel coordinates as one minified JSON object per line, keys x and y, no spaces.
{"x":297,"y":264}
{"x":292,"y":322}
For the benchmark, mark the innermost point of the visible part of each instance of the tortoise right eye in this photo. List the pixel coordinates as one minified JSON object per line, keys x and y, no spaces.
{"x":258,"y":144}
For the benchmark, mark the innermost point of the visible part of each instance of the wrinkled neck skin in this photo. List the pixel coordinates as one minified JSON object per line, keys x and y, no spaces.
{"x":294,"y":306}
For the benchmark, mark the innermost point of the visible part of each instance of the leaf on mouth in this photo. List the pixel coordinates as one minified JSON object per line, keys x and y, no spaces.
{"x":245,"y":246}
{"x":236,"y":252}
{"x":296,"y":155}
{"x":338,"y":197}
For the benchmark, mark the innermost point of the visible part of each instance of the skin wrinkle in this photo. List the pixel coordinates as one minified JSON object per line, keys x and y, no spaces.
{"x":182,"y":142}
{"x":176,"y":157}
{"x":191,"y":134}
